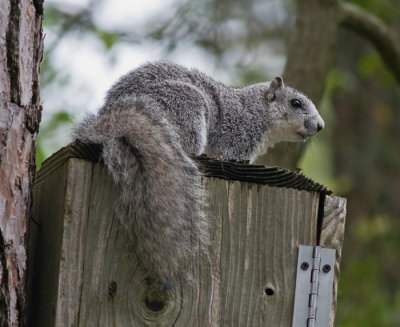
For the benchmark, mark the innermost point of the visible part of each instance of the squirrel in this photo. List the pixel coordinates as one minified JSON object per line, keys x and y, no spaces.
{"x":157,"y":116}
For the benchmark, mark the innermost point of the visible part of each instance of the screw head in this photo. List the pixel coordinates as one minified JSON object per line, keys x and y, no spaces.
{"x":326,"y":268}
{"x":304,"y":265}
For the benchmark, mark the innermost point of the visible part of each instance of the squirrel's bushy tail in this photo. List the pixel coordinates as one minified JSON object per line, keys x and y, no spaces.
{"x":160,"y":189}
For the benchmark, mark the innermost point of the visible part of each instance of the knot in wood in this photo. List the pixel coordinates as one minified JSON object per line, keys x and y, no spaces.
{"x":157,"y":302}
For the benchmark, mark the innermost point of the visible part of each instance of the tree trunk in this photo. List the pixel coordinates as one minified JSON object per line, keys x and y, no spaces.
{"x":21,"y":46}
{"x":309,"y":56}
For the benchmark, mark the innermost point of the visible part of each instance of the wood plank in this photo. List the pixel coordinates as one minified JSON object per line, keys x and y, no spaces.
{"x":46,"y":239}
{"x":115,"y":291}
{"x":245,"y":278}
{"x":332,"y":235}
{"x":256,"y":230}
{"x":72,"y":261}
{"x":60,"y":210}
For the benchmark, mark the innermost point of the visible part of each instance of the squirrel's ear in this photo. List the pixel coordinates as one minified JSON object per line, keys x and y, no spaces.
{"x":275,"y":87}
{"x":277,"y":83}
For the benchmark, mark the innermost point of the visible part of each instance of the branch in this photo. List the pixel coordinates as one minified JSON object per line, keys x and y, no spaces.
{"x":376,"y":31}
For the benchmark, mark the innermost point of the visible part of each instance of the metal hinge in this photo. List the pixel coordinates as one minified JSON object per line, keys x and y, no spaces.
{"x":314,"y":281}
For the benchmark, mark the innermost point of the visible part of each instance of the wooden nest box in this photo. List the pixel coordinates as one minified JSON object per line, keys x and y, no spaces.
{"x":84,"y":273}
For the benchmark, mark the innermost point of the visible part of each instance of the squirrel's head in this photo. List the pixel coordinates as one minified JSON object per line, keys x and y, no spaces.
{"x":293,"y":116}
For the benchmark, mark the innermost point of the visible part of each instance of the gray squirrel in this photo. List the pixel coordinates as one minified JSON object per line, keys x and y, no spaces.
{"x":158,"y":115}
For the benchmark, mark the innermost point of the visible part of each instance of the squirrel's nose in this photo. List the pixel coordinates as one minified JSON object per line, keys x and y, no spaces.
{"x":320,"y":125}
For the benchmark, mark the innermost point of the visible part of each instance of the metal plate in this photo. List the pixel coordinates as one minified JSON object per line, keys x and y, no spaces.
{"x":304,"y":287}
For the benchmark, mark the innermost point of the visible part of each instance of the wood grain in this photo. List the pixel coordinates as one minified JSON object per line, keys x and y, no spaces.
{"x":332,"y":235}
{"x":61,"y":212}
{"x":244,"y":277}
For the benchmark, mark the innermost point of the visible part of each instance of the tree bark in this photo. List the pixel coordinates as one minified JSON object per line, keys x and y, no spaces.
{"x":309,"y":57}
{"x":21,"y":46}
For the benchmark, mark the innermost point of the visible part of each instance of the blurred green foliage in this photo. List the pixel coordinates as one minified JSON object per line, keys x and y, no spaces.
{"x":47,"y":137}
{"x":370,"y":66}
{"x":384,"y":9}
{"x":369,"y":293}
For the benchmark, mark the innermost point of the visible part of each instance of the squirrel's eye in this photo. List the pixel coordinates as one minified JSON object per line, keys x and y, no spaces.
{"x":296,"y":103}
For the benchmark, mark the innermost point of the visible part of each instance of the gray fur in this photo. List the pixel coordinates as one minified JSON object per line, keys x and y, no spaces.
{"x":153,"y":119}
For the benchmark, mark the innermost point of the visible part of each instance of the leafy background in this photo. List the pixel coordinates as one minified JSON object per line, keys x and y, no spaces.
{"x":89,"y":44}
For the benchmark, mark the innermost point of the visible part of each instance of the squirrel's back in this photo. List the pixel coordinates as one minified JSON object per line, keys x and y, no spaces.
{"x":144,"y":79}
